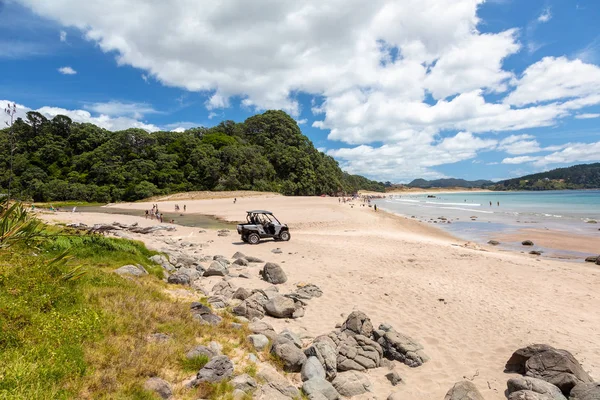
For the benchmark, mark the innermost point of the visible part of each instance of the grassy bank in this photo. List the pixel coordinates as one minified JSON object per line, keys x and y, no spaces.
{"x":64,"y":334}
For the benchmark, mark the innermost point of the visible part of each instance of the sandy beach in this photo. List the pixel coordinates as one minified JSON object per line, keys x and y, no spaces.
{"x":470,"y":306}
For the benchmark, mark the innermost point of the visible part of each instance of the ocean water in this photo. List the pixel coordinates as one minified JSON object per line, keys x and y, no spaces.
{"x":509,"y":211}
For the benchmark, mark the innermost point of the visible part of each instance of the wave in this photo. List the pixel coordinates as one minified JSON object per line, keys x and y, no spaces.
{"x":467,"y":209}
{"x":455,"y":204}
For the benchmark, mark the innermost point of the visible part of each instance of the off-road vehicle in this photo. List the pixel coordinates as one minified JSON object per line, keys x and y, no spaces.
{"x":262,"y":224}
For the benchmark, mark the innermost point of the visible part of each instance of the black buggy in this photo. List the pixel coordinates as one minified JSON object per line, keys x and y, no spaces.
{"x":262,"y":224}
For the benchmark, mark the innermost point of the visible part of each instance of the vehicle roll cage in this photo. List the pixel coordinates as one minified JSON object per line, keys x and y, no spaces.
{"x":253,"y":217}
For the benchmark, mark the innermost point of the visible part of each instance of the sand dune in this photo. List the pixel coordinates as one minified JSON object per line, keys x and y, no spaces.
{"x":469,"y":308}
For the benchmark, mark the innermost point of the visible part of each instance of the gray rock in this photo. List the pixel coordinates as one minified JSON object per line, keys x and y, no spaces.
{"x":273,"y":273}
{"x":527,"y":243}
{"x":535,"y":385}
{"x":358,"y":323}
{"x":280,"y":307}
{"x":201,"y":351}
{"x":259,"y":342}
{"x":217,"y":369}
{"x":159,"y":386}
{"x":286,"y":333}
{"x":217,"y":302}
{"x":323,"y":348}
{"x":318,"y":388}
{"x":493,"y":242}
{"x":464,"y":390}
{"x":312,"y":368}
{"x":225,"y":289}
{"x":276,"y":251}
{"x":163,"y":262}
{"x":397,"y":346}
{"x":262,"y":328}
{"x":308,"y":291}
{"x":244,"y":383}
{"x":193,"y":273}
{"x":586,"y":391}
{"x":241,"y":261}
{"x":179,"y":279}
{"x":591,"y":259}
{"x":204,"y":314}
{"x":271,"y":292}
{"x":394,"y":378}
{"x":558,"y":367}
{"x":528,"y":395}
{"x":516,"y":363}
{"x":396,"y":396}
{"x":253,"y":259}
{"x":277,"y":386}
{"x":238,"y":255}
{"x":358,"y":353}
{"x":351,"y":383}
{"x":135,"y":270}
{"x":252,"y":307}
{"x":242,"y":294}
{"x":216,"y":269}
{"x":292,"y":357}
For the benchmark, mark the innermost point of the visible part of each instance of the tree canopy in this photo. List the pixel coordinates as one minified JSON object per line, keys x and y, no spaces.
{"x":59,"y":159}
{"x":583,"y":176}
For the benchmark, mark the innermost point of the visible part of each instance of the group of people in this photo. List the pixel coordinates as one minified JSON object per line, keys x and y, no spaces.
{"x":177,"y":207}
{"x":154,"y":214}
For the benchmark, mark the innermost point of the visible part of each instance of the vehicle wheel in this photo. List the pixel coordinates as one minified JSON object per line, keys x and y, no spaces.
{"x":253,"y":238}
{"x":285,"y":236}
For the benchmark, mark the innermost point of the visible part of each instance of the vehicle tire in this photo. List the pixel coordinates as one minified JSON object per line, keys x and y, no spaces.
{"x":285,"y":236}
{"x":253,"y":238}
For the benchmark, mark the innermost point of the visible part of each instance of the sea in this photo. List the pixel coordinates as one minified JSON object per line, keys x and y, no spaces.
{"x":479,"y":216}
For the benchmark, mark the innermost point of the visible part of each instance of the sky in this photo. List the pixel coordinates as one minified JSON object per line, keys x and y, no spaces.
{"x":393,"y":90}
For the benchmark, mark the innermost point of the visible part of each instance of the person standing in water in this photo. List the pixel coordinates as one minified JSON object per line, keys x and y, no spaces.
{"x":498,"y":204}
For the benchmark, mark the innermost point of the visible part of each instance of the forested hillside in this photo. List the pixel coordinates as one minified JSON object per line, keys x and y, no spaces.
{"x":583,"y":176}
{"x":58,"y":159}
{"x":450,"y":182}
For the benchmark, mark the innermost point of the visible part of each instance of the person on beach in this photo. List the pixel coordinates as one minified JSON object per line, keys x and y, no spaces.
{"x":161,"y":218}
{"x":184,"y":208}
{"x":490,"y":203}
{"x":375,"y":207}
{"x":147,"y":214}
{"x":234,"y":200}
{"x":498,"y":204}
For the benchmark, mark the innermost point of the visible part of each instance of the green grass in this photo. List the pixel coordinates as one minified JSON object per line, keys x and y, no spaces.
{"x":194,"y":363}
{"x":66,"y":204}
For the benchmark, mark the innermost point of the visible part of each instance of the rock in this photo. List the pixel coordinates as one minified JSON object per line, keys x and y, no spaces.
{"x":216,"y":269}
{"x":238,"y":394}
{"x":319,"y":386}
{"x":197,"y":285}
{"x":262,"y":328}
{"x":286,"y":333}
{"x":244,"y":383}
{"x":312,"y":368}
{"x":535,"y":252}
{"x":158,"y":337}
{"x":516,"y":362}
{"x":201,"y":351}
{"x":135,"y":270}
{"x":534,"y":385}
{"x":358,"y":323}
{"x":253,"y":259}
{"x":151,"y":229}
{"x":558,"y":367}
{"x":592,"y":259}
{"x":308,"y":291}
{"x":242,"y":294}
{"x":204,"y":313}
{"x":493,"y":242}
{"x":598,"y":259}
{"x":217,"y":369}
{"x":225,"y":289}
{"x":292,"y":357}
{"x":276,"y":251}
{"x":586,"y":391}
{"x":528,"y":395}
{"x":217,"y":302}
{"x":252,"y":307}
{"x":163,"y":262}
{"x":241,"y":261}
{"x":323,"y":348}
{"x":276,"y":385}
{"x":179,"y":279}
{"x":273,"y":273}
{"x":271,"y":292}
{"x":238,"y":255}
{"x":351,"y":383}
{"x":357,"y":352}
{"x":394,"y":378}
{"x":396,"y":396}
{"x":397,"y":346}
{"x":527,"y":243}
{"x":464,"y":390}
{"x":280,"y":307}
{"x":260,"y":342}
{"x":159,"y":386}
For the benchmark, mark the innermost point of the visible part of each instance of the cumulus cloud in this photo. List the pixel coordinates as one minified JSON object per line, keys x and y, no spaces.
{"x":102,"y":120}
{"x":570,"y":153}
{"x":117,"y":108}
{"x":546,"y":15}
{"x":587,"y":116}
{"x":67,"y":71}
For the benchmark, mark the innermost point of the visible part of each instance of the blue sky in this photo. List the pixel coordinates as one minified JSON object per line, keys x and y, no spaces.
{"x":432,"y":88}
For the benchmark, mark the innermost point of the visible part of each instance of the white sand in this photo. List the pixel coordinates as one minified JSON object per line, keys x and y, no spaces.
{"x":396,"y":270}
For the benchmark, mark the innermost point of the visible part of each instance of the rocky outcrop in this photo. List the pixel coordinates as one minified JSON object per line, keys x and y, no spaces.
{"x":312,"y":368}
{"x":259,"y":342}
{"x":586,"y":391}
{"x":217,"y":369}
{"x":179,"y":279}
{"x":163,"y":262}
{"x":253,"y":306}
{"x":225,"y":289}
{"x":558,"y":367}
{"x":351,"y":383}
{"x":516,"y":363}
{"x":273,"y":273}
{"x":262,"y":328}
{"x":464,"y":390}
{"x":534,"y":385}
{"x":208,"y":351}
{"x":280,"y":307}
{"x":292,"y":357}
{"x":216,"y":268}
{"x":323,"y":348}
{"x":356,"y":352}
{"x":276,"y":386}
{"x":399,"y":347}
{"x":319,"y":388}
{"x":358,"y":323}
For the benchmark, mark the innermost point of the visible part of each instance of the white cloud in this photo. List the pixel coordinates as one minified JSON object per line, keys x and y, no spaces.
{"x":102,"y":120}
{"x":519,"y":160}
{"x":545,"y":16}
{"x":67,"y":71}
{"x":117,"y":108}
{"x":570,"y":153}
{"x":302,"y":121}
{"x":587,"y":116}
{"x":145,"y":78}
{"x":63,"y":36}
{"x":180,"y":129}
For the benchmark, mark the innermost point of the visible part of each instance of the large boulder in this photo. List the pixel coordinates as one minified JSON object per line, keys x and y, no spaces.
{"x":252,"y":307}
{"x":179,"y":279}
{"x":259,"y":342}
{"x":292,"y":357}
{"x":516,"y":362}
{"x":319,"y":388}
{"x":397,"y":346}
{"x":312,"y":368}
{"x":217,"y":369}
{"x":358,"y":323}
{"x":464,"y":390}
{"x":216,"y":268}
{"x":535,"y":385}
{"x":159,"y":386}
{"x":528,"y":395}
{"x":280,"y":307}
{"x":163,"y":262}
{"x":225,"y":289}
{"x":200,"y":350}
{"x":242,"y":294}
{"x":558,"y":367}
{"x":586,"y":391}
{"x":135,"y":270}
{"x":351,"y":383}
{"x":262,"y":328}
{"x":204,"y":314}
{"x":357,"y":352}
{"x":244,"y":382}
{"x":273,"y":273}
{"x":276,"y":386}
{"x":323,"y":348}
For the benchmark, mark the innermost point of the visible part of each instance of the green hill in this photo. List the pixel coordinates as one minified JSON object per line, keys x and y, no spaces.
{"x":583,"y":176}
{"x":59,"y":160}
{"x":450,"y":182}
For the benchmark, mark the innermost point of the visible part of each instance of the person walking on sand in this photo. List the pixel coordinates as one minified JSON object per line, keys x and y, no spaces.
{"x":161,"y":218}
{"x":234,"y":200}
{"x":375,"y":207}
{"x":184,"y":208}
